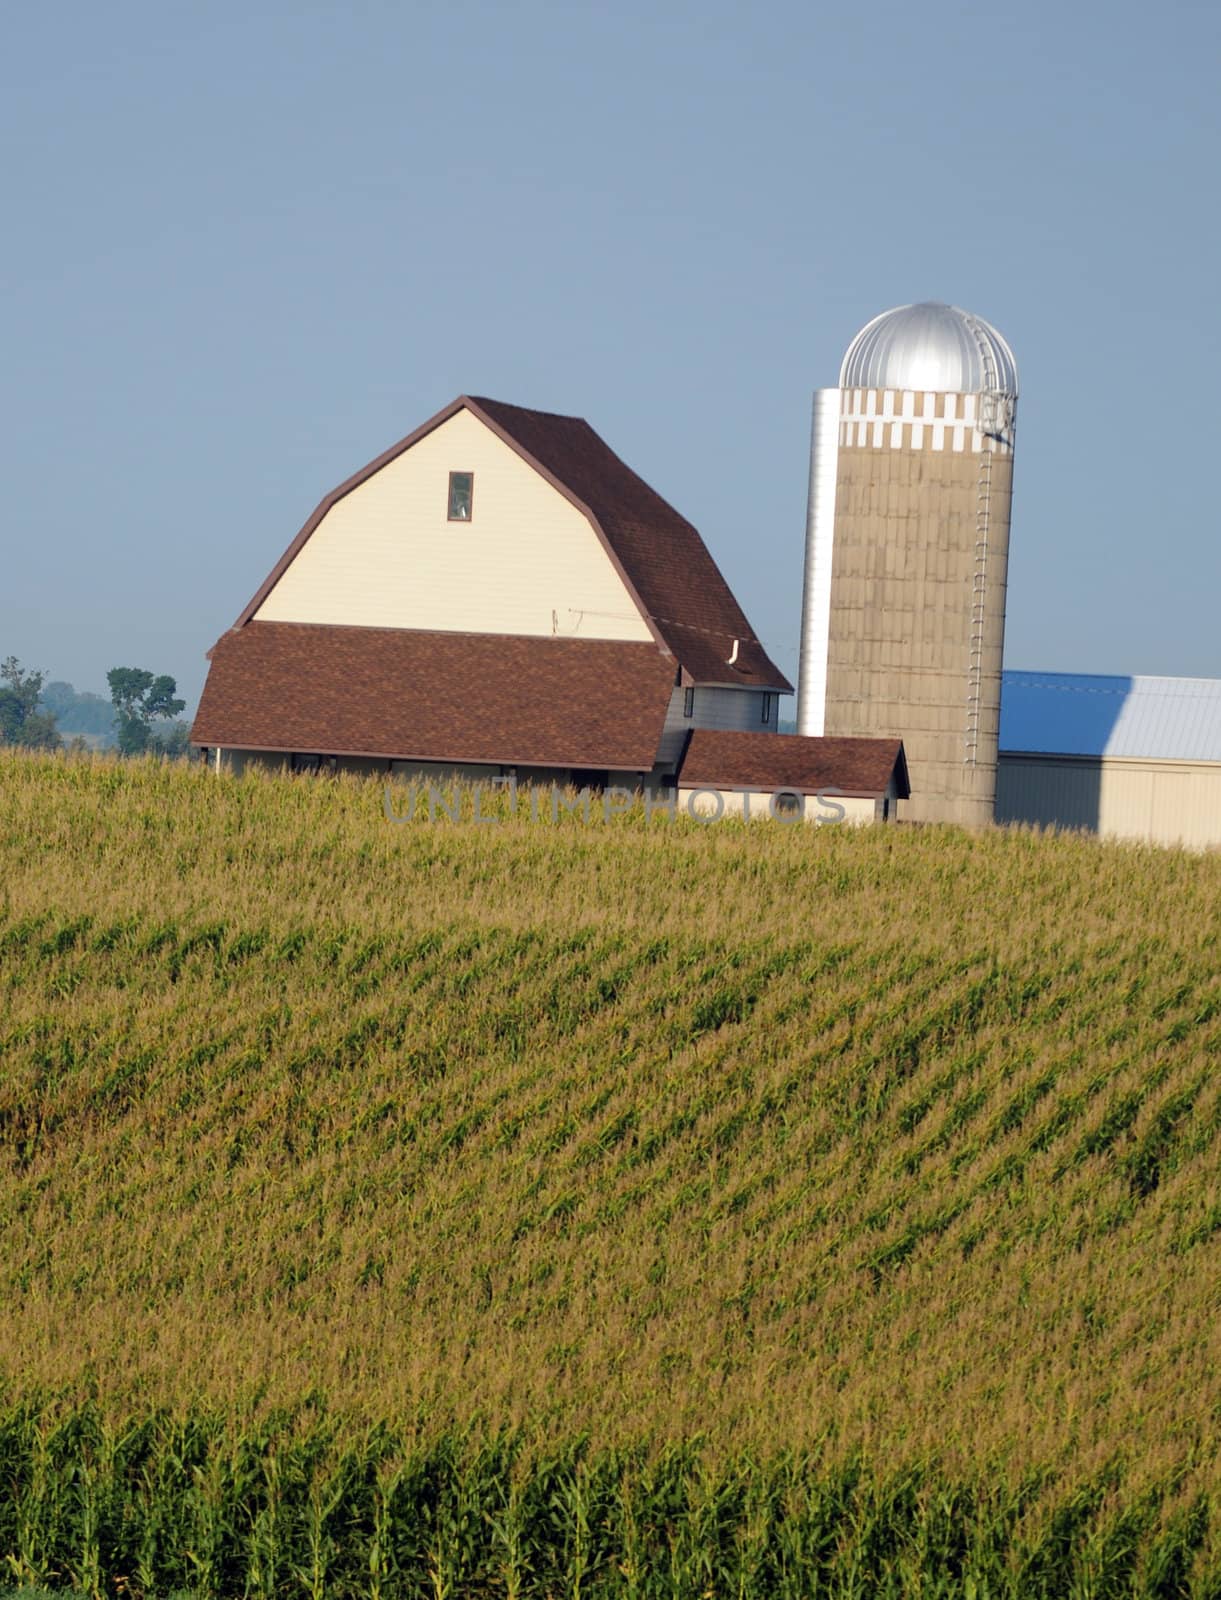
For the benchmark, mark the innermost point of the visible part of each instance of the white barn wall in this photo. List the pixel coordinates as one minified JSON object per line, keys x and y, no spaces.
{"x":386,"y":555}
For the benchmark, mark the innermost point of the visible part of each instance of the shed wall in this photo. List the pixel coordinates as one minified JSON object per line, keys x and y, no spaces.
{"x":1165,"y":802}
{"x":703,"y":802}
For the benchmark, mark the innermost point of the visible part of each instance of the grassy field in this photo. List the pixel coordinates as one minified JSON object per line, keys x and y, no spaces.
{"x":687,"y":1209}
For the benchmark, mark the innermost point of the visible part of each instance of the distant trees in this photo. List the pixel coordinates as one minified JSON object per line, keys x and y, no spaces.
{"x":138,"y":699}
{"x":140,"y":716}
{"x":173,"y":740}
{"x":78,"y":712}
{"x":21,"y":722}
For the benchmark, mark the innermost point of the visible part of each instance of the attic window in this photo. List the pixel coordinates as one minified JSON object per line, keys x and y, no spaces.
{"x":461,"y":496}
{"x":765,"y":711}
{"x":688,"y":702}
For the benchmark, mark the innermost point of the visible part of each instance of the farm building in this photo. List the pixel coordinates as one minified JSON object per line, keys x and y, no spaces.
{"x":840,"y":780}
{"x":1129,"y":758}
{"x":907,"y":549}
{"x":903,"y":614}
{"x":499,"y":594}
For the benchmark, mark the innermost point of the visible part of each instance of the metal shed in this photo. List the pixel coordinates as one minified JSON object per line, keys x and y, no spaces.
{"x":1125,"y":757}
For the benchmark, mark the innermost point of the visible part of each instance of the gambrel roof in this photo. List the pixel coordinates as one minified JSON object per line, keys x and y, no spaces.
{"x":658,"y":554}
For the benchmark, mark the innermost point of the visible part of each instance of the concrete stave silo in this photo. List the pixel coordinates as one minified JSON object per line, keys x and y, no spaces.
{"x":907,"y":546}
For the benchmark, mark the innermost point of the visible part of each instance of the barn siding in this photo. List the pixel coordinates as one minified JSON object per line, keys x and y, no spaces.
{"x":728,"y":710}
{"x":386,"y":556}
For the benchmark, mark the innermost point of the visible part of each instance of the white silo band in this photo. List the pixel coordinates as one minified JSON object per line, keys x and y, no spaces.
{"x":816,"y":589}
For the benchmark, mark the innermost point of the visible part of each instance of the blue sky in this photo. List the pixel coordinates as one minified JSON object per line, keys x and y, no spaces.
{"x":249,"y":247}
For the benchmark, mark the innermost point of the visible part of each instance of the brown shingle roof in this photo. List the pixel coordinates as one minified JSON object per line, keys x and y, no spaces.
{"x":679,"y":585}
{"x":770,"y":761}
{"x":398,"y":692}
{"x":658,"y":553}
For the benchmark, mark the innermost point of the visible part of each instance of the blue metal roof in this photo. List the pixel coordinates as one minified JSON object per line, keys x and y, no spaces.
{"x":1083,"y":714}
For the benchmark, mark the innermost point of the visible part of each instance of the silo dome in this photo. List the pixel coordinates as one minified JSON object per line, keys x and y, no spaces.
{"x":930,"y":347}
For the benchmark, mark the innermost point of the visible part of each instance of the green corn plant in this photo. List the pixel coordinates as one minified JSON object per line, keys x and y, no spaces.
{"x":703,"y":1544}
{"x":149,"y":1499}
{"x":508,"y":1521}
{"x":571,"y":1505}
{"x":319,"y":1546}
{"x":633,"y":1558}
{"x":804,"y":1535}
{"x":37,"y":1511}
{"x":265,"y":1535}
{"x":211,"y":1511}
{"x":381,"y":1555}
{"x":454,"y":1540}
{"x":90,"y":1485}
{"x":752,"y":1549}
{"x":1175,"y":1561}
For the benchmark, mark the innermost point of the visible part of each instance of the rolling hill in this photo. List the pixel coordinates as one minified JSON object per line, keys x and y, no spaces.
{"x":853,"y":1187}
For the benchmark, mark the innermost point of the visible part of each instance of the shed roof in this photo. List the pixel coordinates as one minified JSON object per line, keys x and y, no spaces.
{"x":406,"y":694}
{"x":771,"y":761}
{"x":660,"y":556}
{"x":1089,"y":714}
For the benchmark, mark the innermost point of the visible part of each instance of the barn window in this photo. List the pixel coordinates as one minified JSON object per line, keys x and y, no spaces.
{"x":461,"y":496}
{"x":688,"y":702}
{"x":306,"y":763}
{"x":765,"y":710}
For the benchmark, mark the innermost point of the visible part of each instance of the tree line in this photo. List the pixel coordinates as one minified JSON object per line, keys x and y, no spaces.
{"x":140,"y":718}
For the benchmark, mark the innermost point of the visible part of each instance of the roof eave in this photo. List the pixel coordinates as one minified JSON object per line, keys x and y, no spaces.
{"x":777,"y":685}
{"x":212,"y":742}
{"x":830,"y":791}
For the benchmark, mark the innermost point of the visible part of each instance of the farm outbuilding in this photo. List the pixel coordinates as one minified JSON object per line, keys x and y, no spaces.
{"x":822,"y":780}
{"x":1128,"y":758}
{"x":498,"y":594}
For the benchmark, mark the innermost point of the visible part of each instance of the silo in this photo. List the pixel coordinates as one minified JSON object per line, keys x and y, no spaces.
{"x":907,"y":548}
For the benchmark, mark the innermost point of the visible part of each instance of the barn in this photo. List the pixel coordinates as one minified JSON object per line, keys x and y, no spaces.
{"x":1123,"y":757}
{"x":500,"y":594}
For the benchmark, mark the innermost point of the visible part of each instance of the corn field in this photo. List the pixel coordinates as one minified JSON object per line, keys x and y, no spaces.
{"x":184,"y":1507}
{"x":622,"y":1207}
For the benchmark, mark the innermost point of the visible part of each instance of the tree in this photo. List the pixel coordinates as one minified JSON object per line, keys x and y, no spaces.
{"x":174,"y":741}
{"x":21,"y":722}
{"x":78,"y":713}
{"x":137,"y":698}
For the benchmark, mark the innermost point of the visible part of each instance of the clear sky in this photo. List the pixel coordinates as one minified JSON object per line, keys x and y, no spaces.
{"x":247,"y":247}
